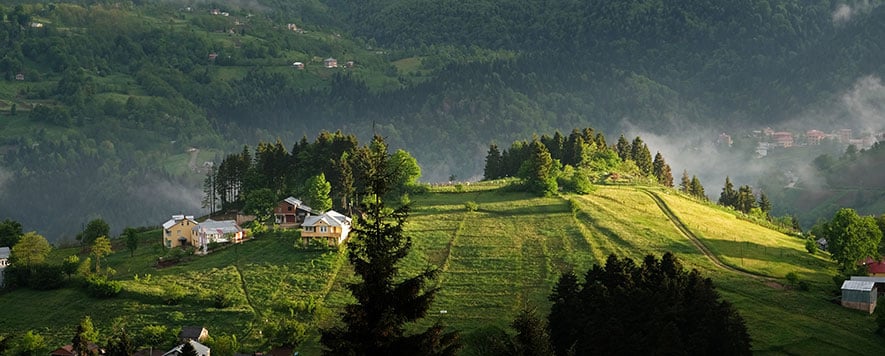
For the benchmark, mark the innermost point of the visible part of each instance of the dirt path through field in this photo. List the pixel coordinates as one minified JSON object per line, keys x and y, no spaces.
{"x":685,"y":231}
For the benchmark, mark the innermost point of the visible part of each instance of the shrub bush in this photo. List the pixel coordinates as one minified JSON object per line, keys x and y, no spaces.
{"x":471,"y":206}
{"x":221,"y":301}
{"x":100,"y":287}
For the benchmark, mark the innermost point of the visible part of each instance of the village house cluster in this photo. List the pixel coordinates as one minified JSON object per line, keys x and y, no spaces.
{"x":769,"y":139}
{"x":184,"y":231}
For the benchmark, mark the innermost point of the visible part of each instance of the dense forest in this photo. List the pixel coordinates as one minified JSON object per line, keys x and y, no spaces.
{"x":98,"y":99}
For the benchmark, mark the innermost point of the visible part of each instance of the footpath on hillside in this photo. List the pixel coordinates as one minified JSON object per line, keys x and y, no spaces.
{"x":685,"y":231}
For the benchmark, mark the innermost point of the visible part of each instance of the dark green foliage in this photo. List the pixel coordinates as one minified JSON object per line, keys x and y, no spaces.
{"x":10,"y":232}
{"x":728,"y":197}
{"x":880,"y":317}
{"x":531,"y":334}
{"x":493,"y":164}
{"x":685,"y":182}
{"x":130,"y":236}
{"x":538,"y":171}
{"x":746,"y":201}
{"x":624,"y":148}
{"x":93,"y":230}
{"x":385,"y":301}
{"x":696,"y":189}
{"x":622,"y":308}
{"x":120,"y":344}
{"x":640,"y":154}
{"x":764,"y":203}
{"x":661,"y":171}
{"x":811,"y":245}
{"x":222,"y":301}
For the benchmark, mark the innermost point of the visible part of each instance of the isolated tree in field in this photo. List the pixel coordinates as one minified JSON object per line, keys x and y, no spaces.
{"x":622,"y":308}
{"x":10,"y":232}
{"x":385,"y":300}
{"x":729,"y":196}
{"x":851,"y":238}
{"x":31,"y":250}
{"x":100,"y":248}
{"x":131,"y":237}
{"x":538,"y":171}
{"x":661,"y":171}
{"x":318,"y":189}
{"x":93,"y":230}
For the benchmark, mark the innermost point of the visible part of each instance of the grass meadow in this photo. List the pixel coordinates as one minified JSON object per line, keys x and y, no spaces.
{"x":494,"y":260}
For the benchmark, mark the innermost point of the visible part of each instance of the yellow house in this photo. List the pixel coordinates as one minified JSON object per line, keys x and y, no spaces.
{"x":179,"y":231}
{"x":331,"y":225}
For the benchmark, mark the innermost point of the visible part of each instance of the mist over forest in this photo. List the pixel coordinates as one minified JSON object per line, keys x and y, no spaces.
{"x":111,"y":109}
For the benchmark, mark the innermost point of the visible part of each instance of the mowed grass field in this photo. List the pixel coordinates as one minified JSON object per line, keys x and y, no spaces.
{"x":494,"y":261}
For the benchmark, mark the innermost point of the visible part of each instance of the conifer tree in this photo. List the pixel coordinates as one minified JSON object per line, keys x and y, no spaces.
{"x":640,"y":154}
{"x":729,"y":196}
{"x":345,"y":170}
{"x":600,"y":140}
{"x":764,"y":203}
{"x":623,"y":147}
{"x":385,"y":301}
{"x":538,"y":171}
{"x":746,"y":200}
{"x":685,"y":185}
{"x":318,"y":189}
{"x":493,"y":163}
{"x":661,"y":171}
{"x":697,"y":189}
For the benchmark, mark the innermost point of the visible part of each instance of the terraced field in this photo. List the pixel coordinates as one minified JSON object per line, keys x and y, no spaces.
{"x":494,"y":260}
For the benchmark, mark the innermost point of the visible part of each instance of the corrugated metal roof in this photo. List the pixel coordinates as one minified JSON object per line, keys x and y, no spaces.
{"x":868,"y":279}
{"x":865,"y":286}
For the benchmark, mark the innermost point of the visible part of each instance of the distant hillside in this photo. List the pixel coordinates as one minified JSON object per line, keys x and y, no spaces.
{"x":506,"y":254}
{"x":113,"y":93}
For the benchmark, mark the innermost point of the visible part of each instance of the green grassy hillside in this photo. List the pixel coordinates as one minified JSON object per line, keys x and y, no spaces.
{"x":505,"y":255}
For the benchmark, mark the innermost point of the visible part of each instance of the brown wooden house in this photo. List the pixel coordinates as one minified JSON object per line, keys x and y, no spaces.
{"x":291,"y":212}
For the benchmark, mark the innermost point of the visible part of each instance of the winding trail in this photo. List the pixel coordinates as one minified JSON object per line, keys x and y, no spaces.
{"x":685,"y":231}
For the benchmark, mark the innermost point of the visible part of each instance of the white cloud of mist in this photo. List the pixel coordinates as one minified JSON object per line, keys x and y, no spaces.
{"x":845,"y":12}
{"x":865,"y":104}
{"x":178,"y":198}
{"x":693,"y":148}
{"x":227,"y":4}
{"x":5,"y":176}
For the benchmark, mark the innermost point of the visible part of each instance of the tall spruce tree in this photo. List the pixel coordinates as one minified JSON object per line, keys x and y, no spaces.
{"x":623,"y":147}
{"x":746,"y":200}
{"x":764,"y":203}
{"x":697,"y":189}
{"x":538,"y":170}
{"x":493,"y":163}
{"x":661,"y":171}
{"x":729,"y":196}
{"x":685,"y":184}
{"x":640,"y":154}
{"x":385,"y":301}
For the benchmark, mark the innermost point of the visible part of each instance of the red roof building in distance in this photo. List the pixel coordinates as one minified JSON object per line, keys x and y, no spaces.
{"x":783,"y":139}
{"x":814,"y":137}
{"x":875,"y":268}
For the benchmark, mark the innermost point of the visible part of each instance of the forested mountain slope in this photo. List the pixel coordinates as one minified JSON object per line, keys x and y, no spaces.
{"x":114,"y":95}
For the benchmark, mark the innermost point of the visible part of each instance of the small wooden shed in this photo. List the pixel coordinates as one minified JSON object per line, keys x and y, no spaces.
{"x":860,"y":295}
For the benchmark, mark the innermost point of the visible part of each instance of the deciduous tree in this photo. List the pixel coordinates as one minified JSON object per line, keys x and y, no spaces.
{"x":10,"y":232}
{"x":100,"y":248}
{"x":31,"y":250}
{"x":318,"y":190}
{"x":93,"y":230}
{"x":851,"y":238}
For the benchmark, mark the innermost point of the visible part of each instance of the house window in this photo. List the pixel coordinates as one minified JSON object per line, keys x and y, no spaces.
{"x":289,"y":208}
{"x":324,"y":228}
{"x":168,"y":232}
